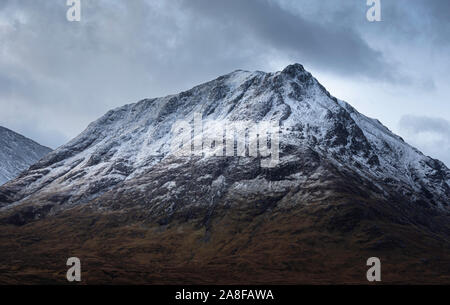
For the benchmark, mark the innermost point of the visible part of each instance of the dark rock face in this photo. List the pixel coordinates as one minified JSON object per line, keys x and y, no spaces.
{"x":28,"y":214}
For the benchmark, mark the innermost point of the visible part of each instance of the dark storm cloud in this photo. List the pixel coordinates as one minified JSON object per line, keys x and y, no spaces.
{"x":330,"y":46}
{"x":440,"y":18}
{"x":418,"y":20}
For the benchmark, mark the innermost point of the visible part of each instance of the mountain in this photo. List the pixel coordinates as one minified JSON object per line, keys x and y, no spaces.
{"x":344,"y":188}
{"x":17,"y":153}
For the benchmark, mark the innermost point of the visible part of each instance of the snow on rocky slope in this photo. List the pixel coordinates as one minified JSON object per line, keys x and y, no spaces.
{"x":17,"y":153}
{"x":129,"y":141}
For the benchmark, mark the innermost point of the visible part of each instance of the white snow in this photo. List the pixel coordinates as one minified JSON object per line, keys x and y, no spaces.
{"x":130,"y":140}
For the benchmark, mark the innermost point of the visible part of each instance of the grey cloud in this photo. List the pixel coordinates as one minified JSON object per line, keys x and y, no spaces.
{"x":431,"y":135}
{"x":422,"y":124}
{"x":416,"y":20}
{"x":329,"y":46}
{"x":439,"y":11}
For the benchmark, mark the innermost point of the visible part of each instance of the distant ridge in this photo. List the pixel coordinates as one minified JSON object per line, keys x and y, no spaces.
{"x":17,"y":153}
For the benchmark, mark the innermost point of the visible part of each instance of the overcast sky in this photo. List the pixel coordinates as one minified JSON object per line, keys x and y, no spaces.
{"x":58,"y":76}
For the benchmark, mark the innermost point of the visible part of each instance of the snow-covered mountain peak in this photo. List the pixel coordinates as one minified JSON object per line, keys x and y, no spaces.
{"x":128,"y":141}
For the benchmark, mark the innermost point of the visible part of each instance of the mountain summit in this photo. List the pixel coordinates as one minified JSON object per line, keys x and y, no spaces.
{"x":344,"y":187}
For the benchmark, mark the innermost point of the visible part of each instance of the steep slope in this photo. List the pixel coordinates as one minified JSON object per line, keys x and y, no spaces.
{"x":17,"y":153}
{"x":129,"y":140}
{"x":345,"y":188}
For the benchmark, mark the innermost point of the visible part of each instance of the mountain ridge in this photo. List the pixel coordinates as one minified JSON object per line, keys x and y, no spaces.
{"x":17,"y":153}
{"x":136,"y":136}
